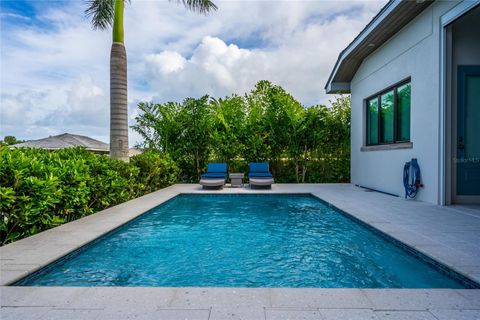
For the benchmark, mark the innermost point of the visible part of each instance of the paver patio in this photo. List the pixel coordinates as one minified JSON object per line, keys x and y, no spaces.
{"x":450,"y":235}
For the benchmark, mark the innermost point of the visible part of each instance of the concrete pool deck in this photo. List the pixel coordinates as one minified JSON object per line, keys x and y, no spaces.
{"x":450,"y":235}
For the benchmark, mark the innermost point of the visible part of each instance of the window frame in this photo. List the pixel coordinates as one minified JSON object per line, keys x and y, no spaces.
{"x":378,"y":97}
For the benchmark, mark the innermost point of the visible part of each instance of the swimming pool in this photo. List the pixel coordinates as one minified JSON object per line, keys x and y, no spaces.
{"x":243,"y":241}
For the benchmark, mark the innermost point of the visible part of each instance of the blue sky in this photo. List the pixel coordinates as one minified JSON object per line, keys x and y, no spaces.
{"x":19,"y":7}
{"x":54,"y":67}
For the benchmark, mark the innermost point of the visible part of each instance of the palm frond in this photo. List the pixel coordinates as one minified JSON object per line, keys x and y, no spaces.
{"x":101,"y":12}
{"x":201,"y":6}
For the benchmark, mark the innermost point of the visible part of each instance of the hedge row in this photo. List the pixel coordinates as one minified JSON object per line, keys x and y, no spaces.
{"x":42,"y":189}
{"x":302,"y":144}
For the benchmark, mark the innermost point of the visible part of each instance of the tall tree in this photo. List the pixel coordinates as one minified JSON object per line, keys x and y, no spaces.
{"x":228,"y":130}
{"x":109,"y":13}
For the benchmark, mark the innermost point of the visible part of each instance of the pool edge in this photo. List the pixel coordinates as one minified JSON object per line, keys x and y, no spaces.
{"x":443,"y":268}
{"x":432,"y":261}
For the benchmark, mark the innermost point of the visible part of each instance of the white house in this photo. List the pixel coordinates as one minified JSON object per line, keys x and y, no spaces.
{"x":414,"y":78}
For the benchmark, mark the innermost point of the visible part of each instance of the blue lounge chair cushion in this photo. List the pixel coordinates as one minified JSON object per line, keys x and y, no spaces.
{"x":215,"y":170}
{"x":259,"y":167}
{"x":259,"y":170}
{"x":260,"y":175}
{"x":213,"y":175}
{"x":216,"y":167}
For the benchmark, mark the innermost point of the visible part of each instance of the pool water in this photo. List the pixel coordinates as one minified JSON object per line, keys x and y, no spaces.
{"x":243,"y":241}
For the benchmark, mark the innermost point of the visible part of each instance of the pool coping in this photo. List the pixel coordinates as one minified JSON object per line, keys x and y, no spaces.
{"x":31,"y":254}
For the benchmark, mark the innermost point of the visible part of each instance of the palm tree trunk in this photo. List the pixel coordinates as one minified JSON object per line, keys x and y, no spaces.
{"x":118,"y":103}
{"x":118,"y":89}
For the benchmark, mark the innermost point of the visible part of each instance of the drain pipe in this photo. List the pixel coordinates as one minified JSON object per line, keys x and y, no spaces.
{"x":379,"y":191}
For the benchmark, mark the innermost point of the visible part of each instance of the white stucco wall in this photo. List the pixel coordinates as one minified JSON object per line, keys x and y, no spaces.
{"x":413,"y":52}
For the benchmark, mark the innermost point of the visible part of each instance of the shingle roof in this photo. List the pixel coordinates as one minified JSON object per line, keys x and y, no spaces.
{"x":65,"y":140}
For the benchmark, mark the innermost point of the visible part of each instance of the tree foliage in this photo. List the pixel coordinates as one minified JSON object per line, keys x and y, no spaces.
{"x":10,"y":140}
{"x":179,"y":130}
{"x":302,"y":144}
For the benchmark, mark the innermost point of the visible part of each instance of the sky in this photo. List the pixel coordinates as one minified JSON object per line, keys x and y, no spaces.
{"x":54,"y":69}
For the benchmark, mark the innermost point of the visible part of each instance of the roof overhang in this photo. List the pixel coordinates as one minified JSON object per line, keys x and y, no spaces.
{"x":391,"y":19}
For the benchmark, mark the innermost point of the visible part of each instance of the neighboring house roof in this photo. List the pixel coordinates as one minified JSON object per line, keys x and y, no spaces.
{"x":134,"y":151}
{"x":65,"y":140}
{"x":391,"y":19}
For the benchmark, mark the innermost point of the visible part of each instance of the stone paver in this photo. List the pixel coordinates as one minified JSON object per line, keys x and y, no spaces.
{"x":348,"y":314}
{"x":237,"y":312}
{"x":197,"y":297}
{"x":416,"y":299}
{"x":319,"y":298}
{"x":293,"y":314}
{"x":24,"y":313}
{"x":449,"y":234}
{"x":71,"y":314}
{"x":170,"y":314}
{"x":456,"y":314}
{"x":405,"y":315}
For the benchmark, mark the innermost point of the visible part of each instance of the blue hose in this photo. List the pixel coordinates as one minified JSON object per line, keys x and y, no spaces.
{"x":411,"y":178}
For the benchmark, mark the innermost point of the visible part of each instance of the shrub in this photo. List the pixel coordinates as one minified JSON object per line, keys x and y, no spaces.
{"x":155,"y":171}
{"x":302,"y":144}
{"x":42,"y":189}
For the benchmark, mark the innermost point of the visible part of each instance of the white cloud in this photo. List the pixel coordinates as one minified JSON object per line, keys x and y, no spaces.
{"x":9,"y":15}
{"x":76,"y":108}
{"x":55,"y":78}
{"x":214,"y":68}
{"x":166,"y":62}
{"x":301,"y":63}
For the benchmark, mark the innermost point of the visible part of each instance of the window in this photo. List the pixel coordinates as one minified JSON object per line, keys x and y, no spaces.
{"x":403,"y":112}
{"x":372,"y":133}
{"x":388,"y":115}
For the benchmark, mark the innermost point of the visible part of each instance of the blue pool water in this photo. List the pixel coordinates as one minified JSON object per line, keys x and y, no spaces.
{"x":243,"y":241}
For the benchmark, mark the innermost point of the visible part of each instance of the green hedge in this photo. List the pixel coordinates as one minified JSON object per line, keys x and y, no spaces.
{"x":336,"y":170}
{"x":42,"y":189}
{"x":302,"y":144}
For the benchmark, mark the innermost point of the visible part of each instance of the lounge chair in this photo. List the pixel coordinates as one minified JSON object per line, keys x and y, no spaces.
{"x":260,"y":176}
{"x":215,"y":176}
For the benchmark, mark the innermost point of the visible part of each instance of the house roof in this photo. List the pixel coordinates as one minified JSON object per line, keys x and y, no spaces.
{"x":65,"y":140}
{"x":391,"y":19}
{"x":134,"y":152}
